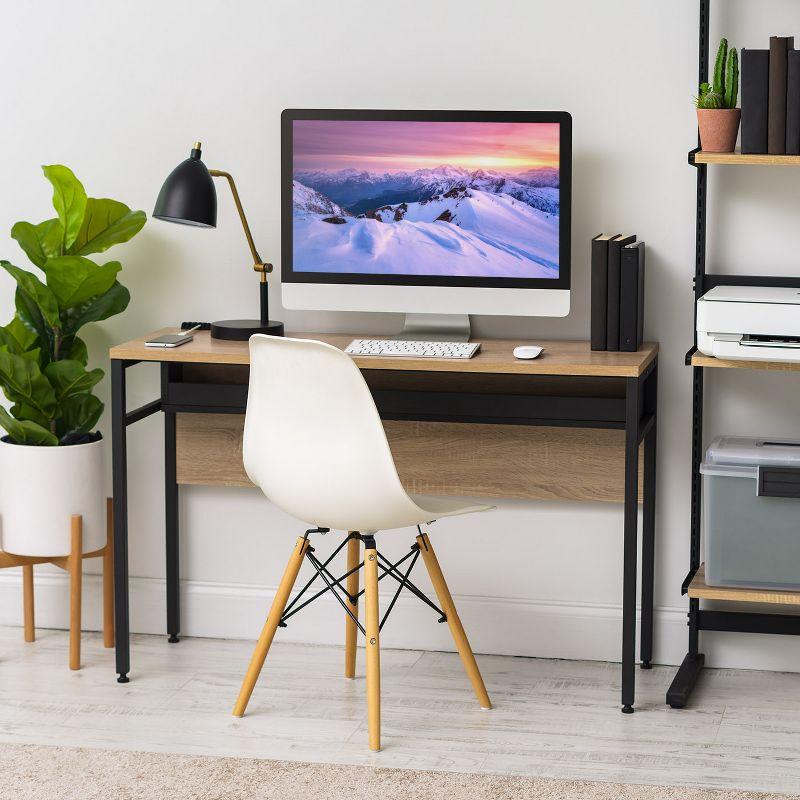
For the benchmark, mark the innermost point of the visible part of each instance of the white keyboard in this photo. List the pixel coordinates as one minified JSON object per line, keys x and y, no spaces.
{"x":406,"y":349}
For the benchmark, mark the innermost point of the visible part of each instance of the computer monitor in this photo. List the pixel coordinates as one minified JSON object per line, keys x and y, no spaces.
{"x":427,"y":212}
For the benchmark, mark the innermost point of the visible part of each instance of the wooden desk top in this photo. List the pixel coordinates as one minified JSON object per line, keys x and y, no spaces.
{"x":495,"y":356}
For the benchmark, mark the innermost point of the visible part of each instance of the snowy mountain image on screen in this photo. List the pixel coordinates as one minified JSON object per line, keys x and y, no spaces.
{"x":445,"y":221}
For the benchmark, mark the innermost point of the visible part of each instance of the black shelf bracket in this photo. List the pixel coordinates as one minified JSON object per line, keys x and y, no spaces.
{"x":691,"y":157}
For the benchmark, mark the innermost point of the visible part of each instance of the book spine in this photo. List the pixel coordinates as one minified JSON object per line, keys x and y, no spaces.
{"x":793,"y":103}
{"x":629,"y":298}
{"x":755,"y":92}
{"x":612,"y":320}
{"x":599,"y":300}
{"x":640,"y":299}
{"x":776,"y":122}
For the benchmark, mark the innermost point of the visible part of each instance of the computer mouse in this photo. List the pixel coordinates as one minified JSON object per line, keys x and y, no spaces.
{"x":527,"y":351}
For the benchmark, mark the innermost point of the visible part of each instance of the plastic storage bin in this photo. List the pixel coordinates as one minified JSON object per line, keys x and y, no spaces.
{"x":751,"y":513}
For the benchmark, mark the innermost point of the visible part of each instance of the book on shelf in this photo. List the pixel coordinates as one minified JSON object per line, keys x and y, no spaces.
{"x":631,"y":302}
{"x":793,"y":103}
{"x":755,"y":91}
{"x":779,"y":47}
{"x":615,"y":246}
{"x":599,"y":290}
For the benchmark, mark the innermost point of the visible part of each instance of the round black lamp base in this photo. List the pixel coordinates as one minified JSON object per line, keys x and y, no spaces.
{"x":240,"y":330}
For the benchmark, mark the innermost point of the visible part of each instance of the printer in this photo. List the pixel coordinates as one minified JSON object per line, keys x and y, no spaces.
{"x":752,"y":323}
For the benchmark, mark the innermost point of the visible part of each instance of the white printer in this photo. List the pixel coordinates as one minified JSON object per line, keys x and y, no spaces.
{"x":753,"y":323}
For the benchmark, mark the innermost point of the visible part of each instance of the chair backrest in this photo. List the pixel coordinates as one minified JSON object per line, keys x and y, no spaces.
{"x":313,"y":439}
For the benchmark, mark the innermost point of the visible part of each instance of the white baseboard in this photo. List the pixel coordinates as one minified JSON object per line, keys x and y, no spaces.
{"x":502,"y":626}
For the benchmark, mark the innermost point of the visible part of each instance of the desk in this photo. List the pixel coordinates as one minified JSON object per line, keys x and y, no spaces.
{"x":569,"y":388}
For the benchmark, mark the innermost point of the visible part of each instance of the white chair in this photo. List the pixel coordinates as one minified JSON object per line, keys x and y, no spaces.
{"x":315,"y":445}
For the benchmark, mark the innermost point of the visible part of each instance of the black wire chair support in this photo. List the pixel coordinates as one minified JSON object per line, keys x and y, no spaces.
{"x":336,"y":585}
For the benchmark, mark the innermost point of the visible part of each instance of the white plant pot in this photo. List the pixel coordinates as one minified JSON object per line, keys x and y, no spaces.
{"x":41,"y":488}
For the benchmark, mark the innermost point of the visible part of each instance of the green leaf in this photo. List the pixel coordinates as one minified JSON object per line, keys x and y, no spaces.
{"x":69,"y":377}
{"x":24,"y":338}
{"x":17,"y":338}
{"x":79,"y":414}
{"x":114,"y":301}
{"x":69,"y":201}
{"x":74,"y":279}
{"x":23,"y":411}
{"x":41,"y":241}
{"x":30,"y":315}
{"x":76,"y":351}
{"x":26,"y":432}
{"x":36,"y":292}
{"x":106,"y":223}
{"x":23,"y":382}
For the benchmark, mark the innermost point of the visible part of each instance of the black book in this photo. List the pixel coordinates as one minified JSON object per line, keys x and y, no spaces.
{"x":776,"y":118}
{"x":755,"y":93}
{"x":631,"y":303}
{"x":615,"y":245}
{"x":599,"y":282}
{"x":793,"y":103}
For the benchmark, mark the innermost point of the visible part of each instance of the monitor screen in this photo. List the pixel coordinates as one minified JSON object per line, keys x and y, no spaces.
{"x":469,"y":198}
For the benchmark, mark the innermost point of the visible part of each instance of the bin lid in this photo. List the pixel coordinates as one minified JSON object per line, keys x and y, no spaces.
{"x":746,"y":451}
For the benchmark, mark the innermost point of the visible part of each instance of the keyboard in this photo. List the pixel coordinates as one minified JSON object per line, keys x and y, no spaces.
{"x":401,"y":348}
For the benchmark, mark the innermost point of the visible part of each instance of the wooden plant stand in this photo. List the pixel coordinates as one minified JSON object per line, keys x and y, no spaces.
{"x":72,"y":564}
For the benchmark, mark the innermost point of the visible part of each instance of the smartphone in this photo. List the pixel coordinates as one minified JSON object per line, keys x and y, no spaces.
{"x":170,"y":340}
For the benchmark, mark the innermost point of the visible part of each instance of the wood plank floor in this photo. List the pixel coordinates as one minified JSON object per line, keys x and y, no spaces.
{"x":551,"y":718}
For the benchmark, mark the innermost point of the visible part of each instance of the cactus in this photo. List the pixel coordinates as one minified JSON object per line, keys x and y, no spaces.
{"x":719,"y":67}
{"x":732,"y":79}
{"x":711,"y":100}
{"x":723,"y":92}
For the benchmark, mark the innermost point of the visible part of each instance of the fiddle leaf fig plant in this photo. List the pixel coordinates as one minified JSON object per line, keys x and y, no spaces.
{"x":43,"y":361}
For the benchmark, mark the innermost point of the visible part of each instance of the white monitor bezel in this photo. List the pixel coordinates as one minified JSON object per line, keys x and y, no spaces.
{"x":322,"y":291}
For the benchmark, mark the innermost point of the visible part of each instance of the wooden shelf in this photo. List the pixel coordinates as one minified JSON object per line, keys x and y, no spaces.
{"x":699,"y":588}
{"x":700,"y":360}
{"x":737,"y":158}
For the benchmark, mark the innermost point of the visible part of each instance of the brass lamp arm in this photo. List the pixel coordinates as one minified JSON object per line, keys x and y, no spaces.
{"x":258,"y":264}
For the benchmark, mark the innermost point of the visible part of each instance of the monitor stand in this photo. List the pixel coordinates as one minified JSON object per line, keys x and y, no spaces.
{"x":436,"y":328}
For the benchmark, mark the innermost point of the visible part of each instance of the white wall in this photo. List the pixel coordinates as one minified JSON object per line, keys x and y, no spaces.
{"x":119,"y":92}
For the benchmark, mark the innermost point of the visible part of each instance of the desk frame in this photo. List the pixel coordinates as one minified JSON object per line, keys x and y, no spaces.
{"x":635,"y":413}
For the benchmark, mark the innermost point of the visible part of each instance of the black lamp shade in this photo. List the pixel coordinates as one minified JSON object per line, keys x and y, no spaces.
{"x":188,"y":195}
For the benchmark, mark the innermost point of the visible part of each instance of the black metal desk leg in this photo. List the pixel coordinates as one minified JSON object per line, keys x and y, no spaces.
{"x":119,"y":459}
{"x":648,"y":547}
{"x":172,"y":530}
{"x":630,"y":543}
{"x":649,"y":520}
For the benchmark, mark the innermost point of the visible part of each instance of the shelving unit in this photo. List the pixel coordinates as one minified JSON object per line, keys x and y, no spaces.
{"x":694,"y":584}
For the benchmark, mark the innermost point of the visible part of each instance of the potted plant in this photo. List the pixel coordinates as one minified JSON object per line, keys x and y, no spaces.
{"x":717,"y":115}
{"x":51,"y":460}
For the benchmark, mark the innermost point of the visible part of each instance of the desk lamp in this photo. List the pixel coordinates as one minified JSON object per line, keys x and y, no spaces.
{"x":188,"y":197}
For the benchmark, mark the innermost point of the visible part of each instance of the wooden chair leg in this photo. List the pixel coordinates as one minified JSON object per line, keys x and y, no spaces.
{"x":27,"y":602}
{"x":350,"y":630}
{"x":270,"y":626}
{"x":456,"y":628}
{"x":373,"y":643}
{"x":108,"y":577}
{"x":75,"y":576}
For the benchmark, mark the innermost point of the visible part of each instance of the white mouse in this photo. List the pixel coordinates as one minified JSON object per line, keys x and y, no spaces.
{"x":527,"y":351}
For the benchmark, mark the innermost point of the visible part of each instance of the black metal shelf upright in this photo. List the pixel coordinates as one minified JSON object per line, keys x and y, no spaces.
{"x":700,"y":619}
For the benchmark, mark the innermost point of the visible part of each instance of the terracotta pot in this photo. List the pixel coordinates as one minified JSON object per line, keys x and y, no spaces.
{"x":719,"y":128}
